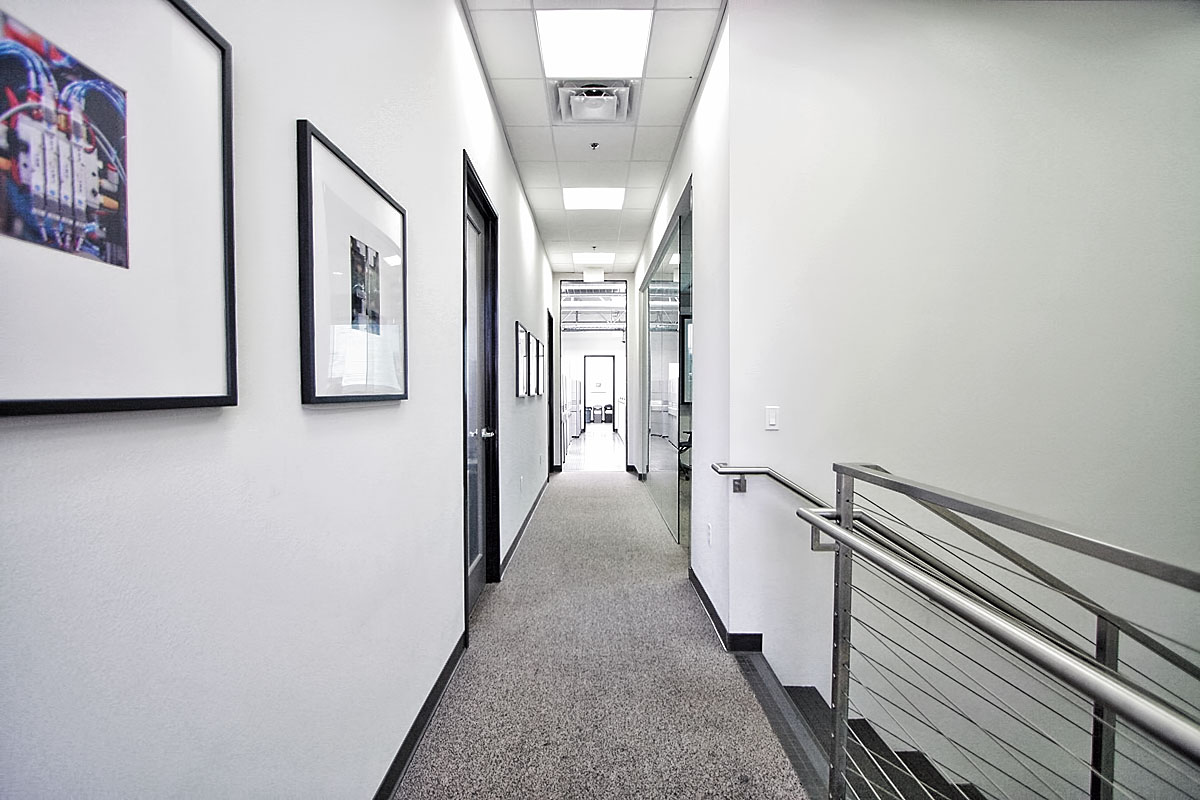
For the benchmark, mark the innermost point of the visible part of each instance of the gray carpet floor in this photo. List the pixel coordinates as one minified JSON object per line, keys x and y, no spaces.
{"x":593,"y":671}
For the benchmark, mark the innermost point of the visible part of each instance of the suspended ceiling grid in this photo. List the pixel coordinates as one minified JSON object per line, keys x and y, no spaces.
{"x":634,"y":155}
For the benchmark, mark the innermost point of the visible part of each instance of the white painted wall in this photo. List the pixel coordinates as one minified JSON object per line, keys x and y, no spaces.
{"x":628,"y":353}
{"x":578,"y":344}
{"x":703,"y":156}
{"x":963,"y":246}
{"x":255,"y":601}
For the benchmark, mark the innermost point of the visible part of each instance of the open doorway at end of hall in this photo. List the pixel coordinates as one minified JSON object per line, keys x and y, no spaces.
{"x":593,"y":368}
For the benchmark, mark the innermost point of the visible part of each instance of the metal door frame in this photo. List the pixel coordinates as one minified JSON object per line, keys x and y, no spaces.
{"x":474,"y":193}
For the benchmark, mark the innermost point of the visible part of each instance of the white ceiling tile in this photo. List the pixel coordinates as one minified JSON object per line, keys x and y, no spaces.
{"x":522,"y":101}
{"x":537,"y":174}
{"x":665,"y":101}
{"x":593,"y":173}
{"x":575,"y":143}
{"x":545,"y":199}
{"x":635,"y":224}
{"x":601,"y":245}
{"x":591,"y":227}
{"x":553,"y":226}
{"x":669,"y":4}
{"x":531,"y":143}
{"x":647,"y":174}
{"x":679,"y":42}
{"x":654,"y":143}
{"x":508,"y":43}
{"x":499,"y":4}
{"x":641,"y":198}
{"x":592,"y":217}
{"x":621,"y":4}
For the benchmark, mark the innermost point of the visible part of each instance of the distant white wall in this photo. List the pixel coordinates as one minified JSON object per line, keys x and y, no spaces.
{"x":255,"y":601}
{"x":963,"y":245}
{"x":703,"y":156}
{"x":578,"y":344}
{"x":627,"y":352}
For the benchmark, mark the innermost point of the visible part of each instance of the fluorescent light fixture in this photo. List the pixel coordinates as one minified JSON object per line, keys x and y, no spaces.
{"x":604,"y":43}
{"x":587,"y":197}
{"x":593,"y":274}
{"x":589,"y":259}
{"x":393,"y":261}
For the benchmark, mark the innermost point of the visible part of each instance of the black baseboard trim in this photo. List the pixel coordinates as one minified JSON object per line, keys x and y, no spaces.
{"x":409,"y":746}
{"x":744,"y":643}
{"x":732,"y":642}
{"x":517,"y":541}
{"x":631,"y":468}
{"x":555,"y":468}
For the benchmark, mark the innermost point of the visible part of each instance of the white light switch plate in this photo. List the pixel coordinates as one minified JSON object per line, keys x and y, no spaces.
{"x":772,"y":418}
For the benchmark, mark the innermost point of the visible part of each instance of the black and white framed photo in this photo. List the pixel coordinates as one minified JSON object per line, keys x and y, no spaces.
{"x":522,"y":361}
{"x":353,"y":279}
{"x":116,"y":208}
{"x":540,"y":370}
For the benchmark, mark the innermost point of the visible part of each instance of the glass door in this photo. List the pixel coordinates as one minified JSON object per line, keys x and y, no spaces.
{"x":661,"y":294}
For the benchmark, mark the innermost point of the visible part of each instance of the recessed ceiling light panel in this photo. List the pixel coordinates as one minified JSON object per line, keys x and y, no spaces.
{"x":593,"y":198}
{"x":594,"y":259}
{"x":594,"y":43}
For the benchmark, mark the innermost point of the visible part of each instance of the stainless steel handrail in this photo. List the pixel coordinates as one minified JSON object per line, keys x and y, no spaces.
{"x":722,"y":468}
{"x":868,"y":525}
{"x":1151,"y":715}
{"x":1037,"y":527}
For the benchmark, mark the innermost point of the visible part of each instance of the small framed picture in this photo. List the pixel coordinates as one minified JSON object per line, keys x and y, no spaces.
{"x":540,"y":370}
{"x":353,"y":279}
{"x":522,"y":361}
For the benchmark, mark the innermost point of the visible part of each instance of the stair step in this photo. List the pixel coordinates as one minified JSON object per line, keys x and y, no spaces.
{"x":896,"y":775}
{"x":929,"y":775}
{"x":815,"y":711}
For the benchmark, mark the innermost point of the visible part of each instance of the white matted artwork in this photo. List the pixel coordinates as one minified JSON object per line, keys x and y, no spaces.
{"x":116,"y":208}
{"x":353,"y":279}
{"x":522,"y":361}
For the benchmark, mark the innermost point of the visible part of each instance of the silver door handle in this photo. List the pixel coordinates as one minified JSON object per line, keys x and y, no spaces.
{"x":485,"y":433}
{"x":473,"y":434}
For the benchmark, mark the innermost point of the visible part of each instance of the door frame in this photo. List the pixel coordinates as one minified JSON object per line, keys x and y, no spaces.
{"x":553,"y":417}
{"x":612,"y":383}
{"x":473,"y":192}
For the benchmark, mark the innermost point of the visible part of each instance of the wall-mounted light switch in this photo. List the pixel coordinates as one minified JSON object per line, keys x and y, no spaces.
{"x":772,"y":418}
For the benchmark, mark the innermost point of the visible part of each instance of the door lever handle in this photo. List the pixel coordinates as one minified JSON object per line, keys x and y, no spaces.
{"x":473,"y":434}
{"x":486,"y":434}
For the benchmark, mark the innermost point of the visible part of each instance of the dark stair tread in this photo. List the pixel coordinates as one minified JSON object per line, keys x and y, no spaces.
{"x":929,"y":775}
{"x":888,"y":761}
{"x":816,"y":713}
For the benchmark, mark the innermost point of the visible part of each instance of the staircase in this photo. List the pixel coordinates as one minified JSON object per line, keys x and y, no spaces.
{"x":875,"y":769}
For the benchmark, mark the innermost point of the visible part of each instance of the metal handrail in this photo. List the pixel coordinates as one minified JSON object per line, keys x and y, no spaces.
{"x":1153,"y":716}
{"x":1037,"y":527}
{"x":871,"y":527}
{"x":722,"y":468}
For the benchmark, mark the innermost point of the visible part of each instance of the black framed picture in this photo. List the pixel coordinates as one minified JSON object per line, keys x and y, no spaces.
{"x":353,"y":279}
{"x":540,"y":368}
{"x":522,"y":361}
{"x":116,"y":208}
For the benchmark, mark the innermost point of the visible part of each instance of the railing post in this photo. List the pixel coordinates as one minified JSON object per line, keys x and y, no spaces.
{"x":1104,"y":719}
{"x":840,"y":690}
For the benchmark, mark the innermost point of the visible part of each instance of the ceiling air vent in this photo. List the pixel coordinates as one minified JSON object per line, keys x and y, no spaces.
{"x":591,"y":102}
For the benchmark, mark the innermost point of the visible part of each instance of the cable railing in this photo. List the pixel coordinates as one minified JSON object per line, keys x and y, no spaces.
{"x":963,"y":667}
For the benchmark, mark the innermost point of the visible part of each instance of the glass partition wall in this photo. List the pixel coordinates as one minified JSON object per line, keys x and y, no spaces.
{"x":666,"y":303}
